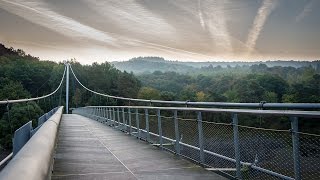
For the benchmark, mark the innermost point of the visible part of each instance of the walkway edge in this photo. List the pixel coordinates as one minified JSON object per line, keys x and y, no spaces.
{"x":34,"y":160}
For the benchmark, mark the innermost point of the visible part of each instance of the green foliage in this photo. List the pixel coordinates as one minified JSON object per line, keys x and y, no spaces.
{"x":259,"y":83}
{"x":12,"y":90}
{"x":18,"y":115}
{"x":104,"y":78}
{"x":24,"y":76}
{"x":148,"y":93}
{"x":167,"y":96}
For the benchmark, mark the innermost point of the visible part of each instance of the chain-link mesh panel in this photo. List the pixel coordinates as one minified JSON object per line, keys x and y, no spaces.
{"x":142,"y":124}
{"x":188,"y":129}
{"x":168,"y":130}
{"x":309,"y":156}
{"x":133,"y":123}
{"x":153,"y":127}
{"x":267,"y":148}
{"x":218,"y":138}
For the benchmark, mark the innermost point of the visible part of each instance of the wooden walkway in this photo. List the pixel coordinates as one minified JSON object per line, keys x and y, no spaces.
{"x":87,"y":149}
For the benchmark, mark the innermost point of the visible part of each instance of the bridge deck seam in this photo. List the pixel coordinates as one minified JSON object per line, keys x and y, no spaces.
{"x":110,"y":151}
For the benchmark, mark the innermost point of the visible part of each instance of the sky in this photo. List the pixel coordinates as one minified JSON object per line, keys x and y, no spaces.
{"x":185,"y":30}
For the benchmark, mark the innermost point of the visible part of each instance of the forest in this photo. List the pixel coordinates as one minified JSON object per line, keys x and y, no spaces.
{"x":271,"y":81}
{"x":25,"y":76}
{"x":143,"y":65}
{"x":235,"y":84}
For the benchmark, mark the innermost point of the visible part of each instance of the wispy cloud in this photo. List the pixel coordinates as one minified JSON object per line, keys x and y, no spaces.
{"x":130,"y":15}
{"x":37,"y":13}
{"x":217,"y":25}
{"x":263,"y":13}
{"x":200,"y":15}
{"x":305,"y":12}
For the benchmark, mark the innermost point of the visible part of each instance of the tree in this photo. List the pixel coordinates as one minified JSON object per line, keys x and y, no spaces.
{"x":148,"y":93}
{"x":201,"y":96}
{"x":12,"y":90}
{"x":18,"y":115}
{"x":189,"y":93}
{"x":167,"y":96}
{"x":270,"y":97}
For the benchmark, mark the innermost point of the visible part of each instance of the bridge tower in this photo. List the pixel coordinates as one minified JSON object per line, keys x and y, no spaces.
{"x":67,"y":87}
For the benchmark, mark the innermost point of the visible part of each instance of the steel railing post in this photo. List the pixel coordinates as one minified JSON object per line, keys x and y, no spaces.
{"x":118,"y":118}
{"x":129,"y":114}
{"x":176,"y":130}
{"x":160,"y":129}
{"x":138,"y":122}
{"x":124,"y":124}
{"x":98,"y":113}
{"x":147,"y":125}
{"x":110,"y":117}
{"x":105,"y":111}
{"x":114,"y":115}
{"x":200,"y":133}
{"x":236,"y":145}
{"x":106,"y":115}
{"x":101,"y":112}
{"x":295,"y":147}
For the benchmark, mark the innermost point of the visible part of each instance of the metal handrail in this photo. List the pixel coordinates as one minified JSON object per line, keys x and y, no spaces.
{"x":290,"y":113}
{"x":107,"y":115}
{"x":34,"y":160}
{"x":215,"y":104}
{"x":5,"y":160}
{"x":37,"y":98}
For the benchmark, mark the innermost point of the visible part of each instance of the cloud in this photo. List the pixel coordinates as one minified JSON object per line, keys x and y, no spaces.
{"x":37,"y":13}
{"x":305,"y":12}
{"x":213,"y":20}
{"x":132,"y":16}
{"x":259,"y":21}
{"x":200,"y":15}
{"x":217,"y":25}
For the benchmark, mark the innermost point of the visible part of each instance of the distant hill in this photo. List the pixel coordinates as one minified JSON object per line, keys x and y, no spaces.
{"x":151,"y":64}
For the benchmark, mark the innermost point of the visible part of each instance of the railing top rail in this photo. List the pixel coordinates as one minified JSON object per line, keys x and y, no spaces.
{"x":220,"y":104}
{"x":37,"y":98}
{"x":291,"y":113}
{"x":34,"y":160}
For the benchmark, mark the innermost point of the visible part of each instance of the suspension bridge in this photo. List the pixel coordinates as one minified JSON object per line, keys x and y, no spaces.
{"x":155,"y":139}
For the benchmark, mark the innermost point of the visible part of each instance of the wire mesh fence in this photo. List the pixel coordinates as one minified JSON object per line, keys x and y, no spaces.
{"x":218,"y":141}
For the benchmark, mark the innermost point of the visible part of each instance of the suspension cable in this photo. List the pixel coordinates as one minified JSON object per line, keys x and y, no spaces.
{"x":37,"y":98}
{"x":216,"y":104}
{"x":106,"y":95}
